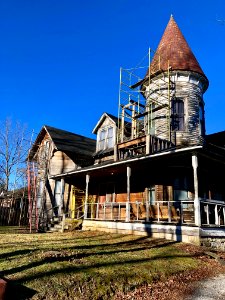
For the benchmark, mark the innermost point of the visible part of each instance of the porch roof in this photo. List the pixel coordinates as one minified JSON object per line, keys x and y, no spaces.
{"x":111,"y":166}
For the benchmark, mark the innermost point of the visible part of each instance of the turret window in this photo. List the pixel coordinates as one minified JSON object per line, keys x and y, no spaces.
{"x":201,"y":120}
{"x":177,"y":108}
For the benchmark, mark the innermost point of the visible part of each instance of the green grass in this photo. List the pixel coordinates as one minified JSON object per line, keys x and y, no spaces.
{"x":87,"y":265}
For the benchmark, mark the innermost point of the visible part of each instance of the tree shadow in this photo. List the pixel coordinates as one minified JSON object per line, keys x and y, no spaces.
{"x":15,"y":253}
{"x":75,"y":259}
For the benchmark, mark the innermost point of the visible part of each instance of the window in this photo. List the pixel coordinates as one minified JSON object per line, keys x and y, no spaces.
{"x":102,"y":137}
{"x":201,"y":120}
{"x":109,"y":139}
{"x":40,"y":193}
{"x":177,"y":108}
{"x":57,"y":192}
{"x":107,"y":192}
{"x":106,"y":138}
{"x":181,"y":189}
{"x":151,"y":193}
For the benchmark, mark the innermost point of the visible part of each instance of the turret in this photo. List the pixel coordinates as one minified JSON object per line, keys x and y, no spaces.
{"x":173,"y":88}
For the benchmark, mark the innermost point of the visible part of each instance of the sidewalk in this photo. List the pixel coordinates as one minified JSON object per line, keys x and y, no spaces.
{"x":210,"y":289}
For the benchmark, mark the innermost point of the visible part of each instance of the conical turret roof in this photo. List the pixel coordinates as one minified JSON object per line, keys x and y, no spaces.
{"x":174,"y":51}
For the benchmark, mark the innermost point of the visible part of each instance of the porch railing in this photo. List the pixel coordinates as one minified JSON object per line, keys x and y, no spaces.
{"x":161,"y":211}
{"x":138,"y":146}
{"x":212,"y":213}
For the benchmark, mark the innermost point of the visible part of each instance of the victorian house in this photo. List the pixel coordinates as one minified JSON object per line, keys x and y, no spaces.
{"x":153,"y":169}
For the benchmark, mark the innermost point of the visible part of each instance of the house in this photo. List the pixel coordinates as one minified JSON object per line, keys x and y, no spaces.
{"x":55,"y":151}
{"x":153,"y":170}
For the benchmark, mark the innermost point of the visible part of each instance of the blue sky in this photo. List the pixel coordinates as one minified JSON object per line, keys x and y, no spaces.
{"x":60,"y":60}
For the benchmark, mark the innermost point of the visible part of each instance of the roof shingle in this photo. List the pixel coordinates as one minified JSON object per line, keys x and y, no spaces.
{"x":173,"y":51}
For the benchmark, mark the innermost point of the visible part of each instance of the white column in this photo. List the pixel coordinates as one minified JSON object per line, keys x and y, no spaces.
{"x":128,"y":194}
{"x":147,"y":204}
{"x":217,"y":222}
{"x":115,"y":153}
{"x":196,"y":198}
{"x":86,"y":196}
{"x":62,"y":196}
{"x":147,"y":144}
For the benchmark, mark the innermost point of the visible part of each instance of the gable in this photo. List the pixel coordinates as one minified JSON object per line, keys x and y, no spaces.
{"x":105,"y":120}
{"x":64,"y":141}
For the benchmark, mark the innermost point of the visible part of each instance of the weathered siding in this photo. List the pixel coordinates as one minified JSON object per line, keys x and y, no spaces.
{"x":187,"y":86}
{"x":61,"y":163}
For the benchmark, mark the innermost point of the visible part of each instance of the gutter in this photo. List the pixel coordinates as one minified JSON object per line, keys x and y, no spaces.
{"x":88,"y":169}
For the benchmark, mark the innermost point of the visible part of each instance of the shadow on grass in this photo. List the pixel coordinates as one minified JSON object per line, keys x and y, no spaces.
{"x":78,"y":266}
{"x":83,"y":268}
{"x":15,"y":253}
{"x":72,"y":258}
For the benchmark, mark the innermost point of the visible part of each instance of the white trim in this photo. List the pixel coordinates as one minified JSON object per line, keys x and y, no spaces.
{"x":105,"y":115}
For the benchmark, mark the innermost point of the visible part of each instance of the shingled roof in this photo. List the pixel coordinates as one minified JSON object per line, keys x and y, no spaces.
{"x":65,"y":141}
{"x":174,"y":51}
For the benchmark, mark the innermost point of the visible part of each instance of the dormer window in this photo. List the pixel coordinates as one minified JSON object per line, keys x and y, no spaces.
{"x":106,"y":138}
{"x":177,"y":107}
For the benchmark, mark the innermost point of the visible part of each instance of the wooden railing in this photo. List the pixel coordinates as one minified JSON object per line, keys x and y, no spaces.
{"x":157,"y":144}
{"x":212,"y":213}
{"x":161,"y":211}
{"x":144,"y":145}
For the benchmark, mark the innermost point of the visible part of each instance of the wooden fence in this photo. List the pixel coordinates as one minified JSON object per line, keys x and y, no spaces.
{"x":13,"y":211}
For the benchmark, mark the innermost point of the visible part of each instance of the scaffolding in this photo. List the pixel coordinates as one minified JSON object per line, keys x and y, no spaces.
{"x":145,"y":101}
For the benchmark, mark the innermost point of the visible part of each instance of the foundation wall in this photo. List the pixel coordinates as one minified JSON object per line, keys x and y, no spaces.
{"x":213,"y":238}
{"x":187,"y":234}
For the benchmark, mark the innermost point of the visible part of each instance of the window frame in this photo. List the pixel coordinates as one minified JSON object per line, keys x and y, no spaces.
{"x":201,"y":119}
{"x":177,"y":114}
{"x":106,"y":141}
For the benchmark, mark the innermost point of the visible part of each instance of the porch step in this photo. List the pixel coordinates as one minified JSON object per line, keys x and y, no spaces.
{"x":57,"y":227}
{"x":70,"y":225}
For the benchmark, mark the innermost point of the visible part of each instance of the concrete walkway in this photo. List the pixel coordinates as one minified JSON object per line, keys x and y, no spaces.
{"x":210,"y":289}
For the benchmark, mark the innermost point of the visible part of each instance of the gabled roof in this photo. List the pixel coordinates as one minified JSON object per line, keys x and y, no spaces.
{"x":173,"y":51}
{"x":65,"y":141}
{"x":101,"y":120}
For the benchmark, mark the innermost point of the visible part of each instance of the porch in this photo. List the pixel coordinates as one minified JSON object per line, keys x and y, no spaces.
{"x":172,"y":221}
{"x":171,"y":194}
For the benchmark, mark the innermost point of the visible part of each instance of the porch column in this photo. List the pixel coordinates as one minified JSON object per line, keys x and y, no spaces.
{"x":128,"y":194}
{"x":148,"y":144}
{"x":196,"y":198}
{"x":86,"y":196}
{"x":62,"y":196}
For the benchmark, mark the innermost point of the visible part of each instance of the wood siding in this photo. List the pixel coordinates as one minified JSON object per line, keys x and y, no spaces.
{"x":61,"y":163}
{"x":188,"y":87}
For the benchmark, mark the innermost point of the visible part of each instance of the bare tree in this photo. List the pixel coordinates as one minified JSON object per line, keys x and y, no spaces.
{"x":13,"y":151}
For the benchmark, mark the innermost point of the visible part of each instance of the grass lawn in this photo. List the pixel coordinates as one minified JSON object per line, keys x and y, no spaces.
{"x":87,"y":265}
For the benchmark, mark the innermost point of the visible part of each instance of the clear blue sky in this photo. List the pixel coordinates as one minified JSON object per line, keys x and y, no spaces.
{"x":60,"y":60}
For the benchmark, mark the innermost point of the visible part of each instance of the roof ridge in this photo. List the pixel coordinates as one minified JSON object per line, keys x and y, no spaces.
{"x":66,"y":131}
